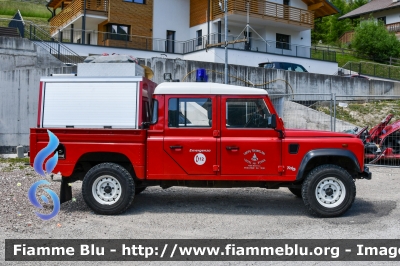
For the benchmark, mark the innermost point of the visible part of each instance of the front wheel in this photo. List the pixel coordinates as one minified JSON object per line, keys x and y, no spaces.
{"x":328,"y":191}
{"x":108,"y":189}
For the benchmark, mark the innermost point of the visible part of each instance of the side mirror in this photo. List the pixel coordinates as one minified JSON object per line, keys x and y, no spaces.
{"x":272,"y":121}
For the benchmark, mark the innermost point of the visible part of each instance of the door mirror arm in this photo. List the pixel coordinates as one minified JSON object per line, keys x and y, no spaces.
{"x":272,"y":124}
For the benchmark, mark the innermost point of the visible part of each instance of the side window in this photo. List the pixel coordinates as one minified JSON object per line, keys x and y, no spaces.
{"x":246,"y":113}
{"x":199,"y":35}
{"x":299,"y":68}
{"x":189,"y":112}
{"x":286,"y":66}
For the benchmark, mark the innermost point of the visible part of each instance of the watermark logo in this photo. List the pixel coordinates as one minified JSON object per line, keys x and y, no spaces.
{"x":50,"y":165}
{"x":36,"y":203}
{"x":46,"y":152}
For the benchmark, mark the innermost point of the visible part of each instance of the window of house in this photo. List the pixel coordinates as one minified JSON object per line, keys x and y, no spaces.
{"x":118,"y":32}
{"x":383,"y":19}
{"x":189,"y":112}
{"x":246,"y":113}
{"x":170,"y":42}
{"x":136,"y":1}
{"x":199,"y":35}
{"x":283,"y":41}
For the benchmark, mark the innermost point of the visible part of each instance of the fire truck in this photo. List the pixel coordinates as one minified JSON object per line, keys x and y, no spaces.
{"x":122,"y":134}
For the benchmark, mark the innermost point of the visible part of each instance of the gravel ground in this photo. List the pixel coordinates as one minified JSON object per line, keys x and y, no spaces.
{"x":184,"y":213}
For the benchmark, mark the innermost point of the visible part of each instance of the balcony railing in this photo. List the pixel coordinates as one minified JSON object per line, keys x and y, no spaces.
{"x":54,"y":44}
{"x":266,"y":10}
{"x":196,"y":44}
{"x":74,"y":10}
{"x":394,"y":27}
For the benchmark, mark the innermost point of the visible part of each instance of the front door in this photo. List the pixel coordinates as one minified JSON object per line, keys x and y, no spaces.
{"x":191,"y":135}
{"x":248,"y":146}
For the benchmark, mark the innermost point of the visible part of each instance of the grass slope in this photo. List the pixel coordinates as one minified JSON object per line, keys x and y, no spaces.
{"x":27,"y":9}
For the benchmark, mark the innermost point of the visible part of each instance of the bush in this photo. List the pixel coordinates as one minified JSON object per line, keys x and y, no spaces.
{"x":372,"y":39}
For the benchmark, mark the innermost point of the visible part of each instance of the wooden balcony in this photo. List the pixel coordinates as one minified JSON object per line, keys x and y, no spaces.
{"x":76,"y":9}
{"x":347,"y":37}
{"x":394,"y":27}
{"x":266,"y":10}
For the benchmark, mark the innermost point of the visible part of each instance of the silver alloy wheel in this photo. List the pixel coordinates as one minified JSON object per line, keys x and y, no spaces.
{"x":330,"y":192}
{"x":106,"y":190}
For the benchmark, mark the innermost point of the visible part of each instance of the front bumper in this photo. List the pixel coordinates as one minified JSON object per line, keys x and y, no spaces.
{"x":366,"y":174}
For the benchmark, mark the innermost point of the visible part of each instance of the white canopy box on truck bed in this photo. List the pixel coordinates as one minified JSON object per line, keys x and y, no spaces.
{"x":94,"y":102}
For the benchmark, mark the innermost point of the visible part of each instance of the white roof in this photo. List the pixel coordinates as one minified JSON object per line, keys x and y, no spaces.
{"x":206,"y":88}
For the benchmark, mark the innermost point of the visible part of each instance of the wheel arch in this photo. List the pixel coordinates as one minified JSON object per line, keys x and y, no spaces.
{"x":343,"y":158}
{"x":91,"y":159}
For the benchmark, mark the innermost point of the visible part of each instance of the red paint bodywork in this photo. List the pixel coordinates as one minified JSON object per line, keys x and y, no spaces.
{"x":227,"y":150}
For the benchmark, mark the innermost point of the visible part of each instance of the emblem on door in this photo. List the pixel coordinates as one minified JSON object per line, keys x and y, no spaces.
{"x":200,"y":159}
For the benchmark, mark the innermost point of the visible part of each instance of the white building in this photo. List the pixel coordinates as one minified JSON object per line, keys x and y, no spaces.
{"x":387,"y":11}
{"x":277,"y":30}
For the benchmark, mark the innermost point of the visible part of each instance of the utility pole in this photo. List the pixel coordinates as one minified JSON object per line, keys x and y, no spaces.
{"x":225,"y":10}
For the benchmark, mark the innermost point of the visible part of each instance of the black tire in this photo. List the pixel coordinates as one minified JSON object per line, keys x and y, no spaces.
{"x":296,"y":191}
{"x":108,"y":189}
{"x":139,"y":190}
{"x":335,"y":188}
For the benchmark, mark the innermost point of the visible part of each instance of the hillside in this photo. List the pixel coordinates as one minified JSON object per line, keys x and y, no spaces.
{"x":368,"y":113}
{"x":31,"y":10}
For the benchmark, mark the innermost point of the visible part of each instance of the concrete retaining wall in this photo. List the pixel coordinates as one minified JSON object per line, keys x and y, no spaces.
{"x":277,"y":81}
{"x":23,"y":64}
{"x":19,"y":92}
{"x":298,"y":116}
{"x":20,"y":53}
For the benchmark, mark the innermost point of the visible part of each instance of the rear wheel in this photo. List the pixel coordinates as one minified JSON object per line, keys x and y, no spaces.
{"x":108,"y":188}
{"x":328,"y":191}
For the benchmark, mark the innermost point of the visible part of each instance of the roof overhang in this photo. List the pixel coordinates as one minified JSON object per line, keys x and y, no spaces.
{"x":321,"y":8}
{"x":348,"y":15}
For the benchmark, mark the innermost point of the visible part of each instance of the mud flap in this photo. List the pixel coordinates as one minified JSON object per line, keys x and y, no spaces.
{"x":65,"y":191}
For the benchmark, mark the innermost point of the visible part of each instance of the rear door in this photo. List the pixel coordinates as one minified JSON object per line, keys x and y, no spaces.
{"x":248,"y":147}
{"x":191,"y":134}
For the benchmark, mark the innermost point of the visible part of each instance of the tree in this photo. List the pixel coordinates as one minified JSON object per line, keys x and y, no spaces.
{"x":329,"y":29}
{"x":371,"y":38}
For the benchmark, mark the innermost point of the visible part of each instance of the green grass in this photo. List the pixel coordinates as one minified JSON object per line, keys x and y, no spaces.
{"x":375,"y":69}
{"x":35,"y":20}
{"x":12,"y":161}
{"x":342,"y":59}
{"x":27,"y":9}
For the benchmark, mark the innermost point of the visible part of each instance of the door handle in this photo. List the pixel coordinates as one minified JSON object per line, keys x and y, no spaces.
{"x":232,"y":148}
{"x":176,"y":148}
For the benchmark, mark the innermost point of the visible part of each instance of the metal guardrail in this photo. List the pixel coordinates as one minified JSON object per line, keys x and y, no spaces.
{"x":192,"y":45}
{"x":43,"y":39}
{"x":343,"y":113}
{"x":374,"y":69}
